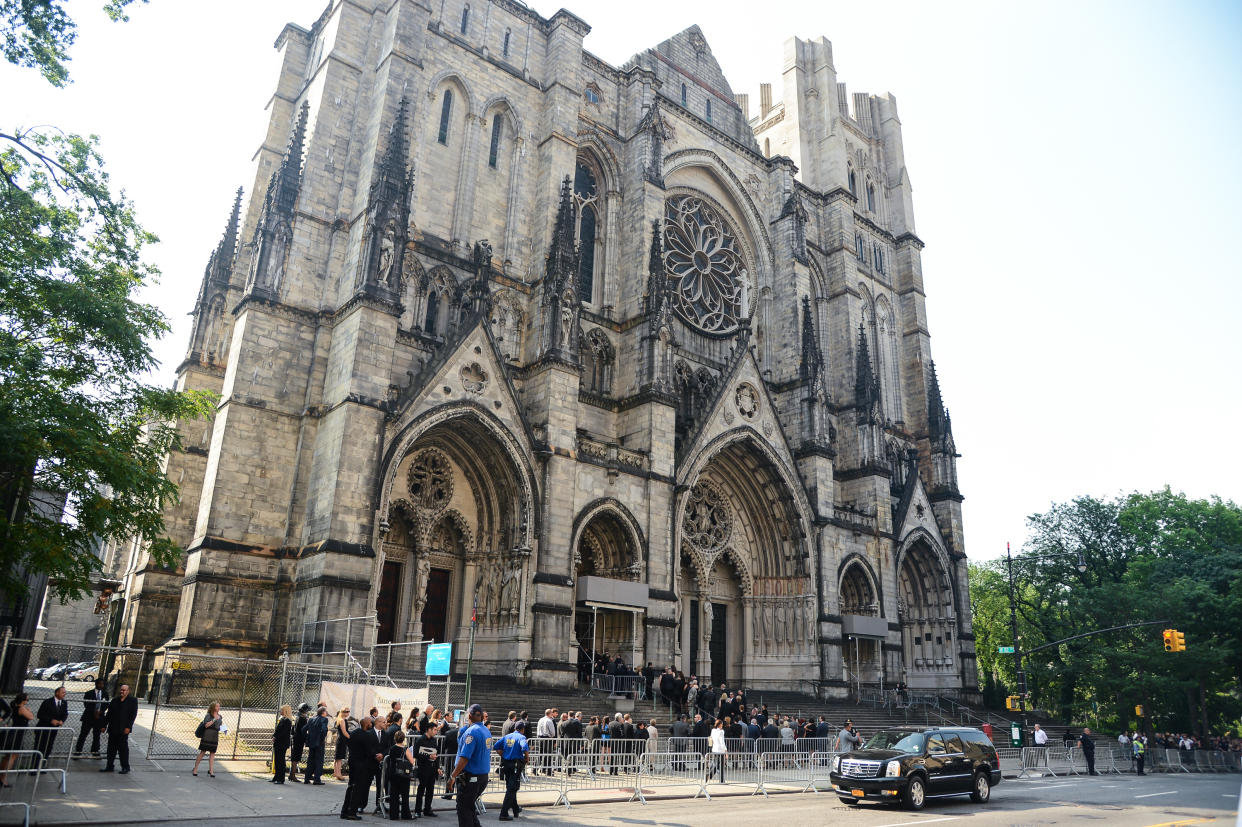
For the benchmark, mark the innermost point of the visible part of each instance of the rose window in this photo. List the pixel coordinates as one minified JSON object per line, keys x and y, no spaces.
{"x":706,"y":271}
{"x":431,"y":480}
{"x":707,"y":524}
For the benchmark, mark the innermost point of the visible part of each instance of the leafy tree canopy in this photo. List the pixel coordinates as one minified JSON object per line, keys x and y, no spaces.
{"x":38,"y":33}
{"x":1158,"y":556}
{"x":76,"y":418}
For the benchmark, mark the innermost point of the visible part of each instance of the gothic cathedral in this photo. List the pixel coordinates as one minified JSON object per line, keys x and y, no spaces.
{"x":595,"y":355}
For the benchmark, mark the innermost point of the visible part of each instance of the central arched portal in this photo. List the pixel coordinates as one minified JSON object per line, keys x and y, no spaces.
{"x":457,"y":541}
{"x":748,"y":611}
{"x":607,"y":548}
{"x":925,"y":609}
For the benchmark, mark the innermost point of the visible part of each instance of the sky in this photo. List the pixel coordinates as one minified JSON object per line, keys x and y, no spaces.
{"x":1075,"y":166}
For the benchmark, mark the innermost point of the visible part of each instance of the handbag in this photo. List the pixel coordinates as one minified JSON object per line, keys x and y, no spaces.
{"x":201,"y":730}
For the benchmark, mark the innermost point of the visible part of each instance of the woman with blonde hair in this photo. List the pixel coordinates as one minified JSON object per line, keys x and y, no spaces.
{"x":208,"y":733}
{"x":282,"y":739}
{"x":341,"y":725}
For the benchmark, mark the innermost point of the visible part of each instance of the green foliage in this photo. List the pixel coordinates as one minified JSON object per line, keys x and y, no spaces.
{"x":76,"y":419}
{"x":37,"y":34}
{"x":1158,"y":556}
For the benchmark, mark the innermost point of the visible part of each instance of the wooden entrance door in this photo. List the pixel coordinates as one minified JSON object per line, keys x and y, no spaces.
{"x":435,"y":612}
{"x":386,"y":603}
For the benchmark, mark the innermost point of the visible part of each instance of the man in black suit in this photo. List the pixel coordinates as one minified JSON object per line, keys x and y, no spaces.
{"x":53,"y":712}
{"x":96,"y":707}
{"x":364,"y":763}
{"x":122,"y":712}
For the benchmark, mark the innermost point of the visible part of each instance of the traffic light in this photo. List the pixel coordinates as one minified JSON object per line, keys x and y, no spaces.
{"x":1170,"y":641}
{"x":1013,"y":703}
{"x":1179,"y":641}
{"x":1138,"y":710}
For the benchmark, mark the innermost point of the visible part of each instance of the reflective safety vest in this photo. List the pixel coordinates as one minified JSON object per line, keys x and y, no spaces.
{"x":1139,"y":747}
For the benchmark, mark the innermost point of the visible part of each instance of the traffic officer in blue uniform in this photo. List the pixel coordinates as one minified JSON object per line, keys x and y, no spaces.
{"x":469,"y":774}
{"x":513,"y":749}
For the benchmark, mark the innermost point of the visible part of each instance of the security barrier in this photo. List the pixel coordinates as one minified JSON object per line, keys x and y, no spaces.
{"x":1036,"y":759}
{"x":1173,"y":761}
{"x":1010,"y":759}
{"x":821,"y":767}
{"x":787,"y":768}
{"x":670,"y":769}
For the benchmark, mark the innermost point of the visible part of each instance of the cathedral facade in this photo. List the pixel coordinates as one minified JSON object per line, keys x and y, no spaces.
{"x":597,"y":356}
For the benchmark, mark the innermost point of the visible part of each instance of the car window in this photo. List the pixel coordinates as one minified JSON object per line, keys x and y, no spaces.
{"x":935,"y":743}
{"x":955,"y":744}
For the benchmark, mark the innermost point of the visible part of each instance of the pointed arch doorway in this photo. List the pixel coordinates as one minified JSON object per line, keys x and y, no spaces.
{"x":611,"y":599}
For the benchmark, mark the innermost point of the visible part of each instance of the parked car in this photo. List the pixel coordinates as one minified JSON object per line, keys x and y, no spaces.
{"x":87,"y":673}
{"x":44,"y":673}
{"x":62,"y":671}
{"x":913,"y":765}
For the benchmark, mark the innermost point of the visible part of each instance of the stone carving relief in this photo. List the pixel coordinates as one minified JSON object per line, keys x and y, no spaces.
{"x":473,"y":377}
{"x":498,"y":588}
{"x":430,"y":480}
{"x":747,"y":400}
{"x":783,"y":626}
{"x":708,"y":523}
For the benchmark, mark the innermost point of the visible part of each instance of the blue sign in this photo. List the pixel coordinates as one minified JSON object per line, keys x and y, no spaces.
{"x":438,"y":657}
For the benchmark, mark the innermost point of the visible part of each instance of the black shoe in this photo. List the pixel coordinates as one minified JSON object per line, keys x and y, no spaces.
{"x":505,"y":818}
{"x":318,"y":783}
{"x":126,"y":772}
{"x":107,"y":769}
{"x":431,"y":813}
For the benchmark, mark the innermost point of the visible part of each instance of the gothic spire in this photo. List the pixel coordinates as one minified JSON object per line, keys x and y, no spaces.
{"x":657,"y":279}
{"x":866,"y":387}
{"x":390,"y":179}
{"x":812,"y":365}
{"x":562,"y":265}
{"x":283,"y":190}
{"x":220,"y":265}
{"x":937,"y":416}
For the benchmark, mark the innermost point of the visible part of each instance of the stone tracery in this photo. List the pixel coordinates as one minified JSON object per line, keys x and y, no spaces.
{"x":702,"y":259}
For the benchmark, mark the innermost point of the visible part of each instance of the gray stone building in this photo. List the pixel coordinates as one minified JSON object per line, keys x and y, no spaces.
{"x":596,"y":354}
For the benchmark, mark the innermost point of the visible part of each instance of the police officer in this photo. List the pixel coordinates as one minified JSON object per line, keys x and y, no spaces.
{"x":469,"y":774}
{"x":513,"y":749}
{"x":1139,"y":745}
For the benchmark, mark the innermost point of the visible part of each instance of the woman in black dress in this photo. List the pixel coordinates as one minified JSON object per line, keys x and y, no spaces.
{"x":282,"y":738}
{"x":11,"y":738}
{"x":209,"y":741}
{"x":342,"y":741}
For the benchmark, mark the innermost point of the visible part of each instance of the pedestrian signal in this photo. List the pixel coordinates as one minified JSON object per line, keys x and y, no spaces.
{"x":1013,"y":702}
{"x":1138,"y":710}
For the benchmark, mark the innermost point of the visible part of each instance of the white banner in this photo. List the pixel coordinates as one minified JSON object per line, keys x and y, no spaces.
{"x":360,"y":698}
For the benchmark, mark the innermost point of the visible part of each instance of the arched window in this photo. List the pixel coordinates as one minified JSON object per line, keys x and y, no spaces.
{"x":683,"y":94}
{"x":853,"y":183}
{"x":598,"y":356}
{"x":504,"y":50}
{"x":870,"y":197}
{"x":465,"y":19}
{"x":433,"y":312}
{"x":860,"y":247}
{"x":586,"y":194}
{"x":591,"y":94}
{"x":494,"y":153}
{"x":446,"y":111}
{"x":709,"y":111}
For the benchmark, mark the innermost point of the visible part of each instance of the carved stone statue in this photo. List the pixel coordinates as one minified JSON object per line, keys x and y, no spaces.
{"x":387,"y":251}
{"x":422,"y":574}
{"x":510,"y":589}
{"x":779,"y":618}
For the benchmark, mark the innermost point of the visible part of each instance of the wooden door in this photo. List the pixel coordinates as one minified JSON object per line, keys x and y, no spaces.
{"x":435,"y":612}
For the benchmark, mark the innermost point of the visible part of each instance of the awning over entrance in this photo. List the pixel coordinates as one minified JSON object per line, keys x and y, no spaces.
{"x":864,"y":627}
{"x":606,"y":593}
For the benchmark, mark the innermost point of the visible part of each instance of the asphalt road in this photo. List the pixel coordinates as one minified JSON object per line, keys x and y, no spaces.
{"x":1155,"y":801}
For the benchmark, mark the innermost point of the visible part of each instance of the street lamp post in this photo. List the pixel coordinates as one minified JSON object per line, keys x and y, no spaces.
{"x":1081,"y":565}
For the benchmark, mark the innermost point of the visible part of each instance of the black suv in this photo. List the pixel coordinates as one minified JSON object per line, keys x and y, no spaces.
{"x":914,"y":765}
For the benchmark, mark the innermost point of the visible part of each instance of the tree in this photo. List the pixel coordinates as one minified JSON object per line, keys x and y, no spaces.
{"x":1149,"y":557}
{"x":76,"y":417}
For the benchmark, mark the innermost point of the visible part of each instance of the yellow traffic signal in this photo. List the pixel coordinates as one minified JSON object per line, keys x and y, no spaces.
{"x":1013,"y":702}
{"x":1170,"y":641}
{"x":1179,"y":641}
{"x":1138,"y":710}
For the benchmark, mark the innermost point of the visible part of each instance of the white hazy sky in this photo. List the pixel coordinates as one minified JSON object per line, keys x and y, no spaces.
{"x":1076,"y":169}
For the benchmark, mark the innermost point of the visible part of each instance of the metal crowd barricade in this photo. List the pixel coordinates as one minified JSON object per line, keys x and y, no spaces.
{"x":792,"y":768}
{"x":620,"y":685}
{"x":1173,"y":761}
{"x":821,"y":768}
{"x":1114,"y":759}
{"x":22,"y":804}
{"x":1010,"y":759}
{"x":670,"y":769}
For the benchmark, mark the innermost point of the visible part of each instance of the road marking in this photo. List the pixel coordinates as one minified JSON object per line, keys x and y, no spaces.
{"x":921,"y":821}
{"x":1166,"y":792}
{"x":1054,"y":786}
{"x":1185,"y":821}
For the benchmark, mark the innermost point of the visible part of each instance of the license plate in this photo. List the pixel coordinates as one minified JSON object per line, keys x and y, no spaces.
{"x":857,"y":793}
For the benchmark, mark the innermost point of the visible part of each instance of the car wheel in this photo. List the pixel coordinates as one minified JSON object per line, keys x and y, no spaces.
{"x":916,"y":793}
{"x":982,"y":790}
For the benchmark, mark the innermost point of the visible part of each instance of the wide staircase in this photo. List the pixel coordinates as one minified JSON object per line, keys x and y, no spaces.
{"x":498,"y":695}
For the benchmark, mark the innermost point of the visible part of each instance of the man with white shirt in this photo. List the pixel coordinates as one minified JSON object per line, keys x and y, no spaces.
{"x":1041,"y":737}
